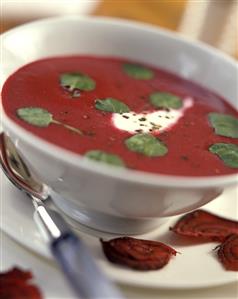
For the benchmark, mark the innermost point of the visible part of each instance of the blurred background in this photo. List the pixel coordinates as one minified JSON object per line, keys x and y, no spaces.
{"x":212,"y":21}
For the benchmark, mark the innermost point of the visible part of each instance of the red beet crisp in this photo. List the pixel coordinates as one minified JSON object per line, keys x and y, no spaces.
{"x":228,"y":253}
{"x":138,"y":254}
{"x":204,"y":225}
{"x":15,"y":284}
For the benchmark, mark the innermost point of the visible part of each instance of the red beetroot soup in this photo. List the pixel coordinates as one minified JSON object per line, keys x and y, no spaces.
{"x":126,"y":114}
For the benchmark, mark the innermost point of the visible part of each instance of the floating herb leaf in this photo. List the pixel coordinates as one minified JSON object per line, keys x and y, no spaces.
{"x":165,"y":100}
{"x":111,"y":105}
{"x":147,"y":145}
{"x":227,"y":152}
{"x":35,"y":116}
{"x":101,"y":156}
{"x":40,"y":117}
{"x":77,"y":81}
{"x":224,"y":124}
{"x":138,"y":71}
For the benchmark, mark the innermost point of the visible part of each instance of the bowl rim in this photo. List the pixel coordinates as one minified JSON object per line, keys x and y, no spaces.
{"x":112,"y":172}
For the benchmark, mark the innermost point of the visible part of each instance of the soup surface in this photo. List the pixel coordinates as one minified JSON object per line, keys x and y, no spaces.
{"x":125,"y":114}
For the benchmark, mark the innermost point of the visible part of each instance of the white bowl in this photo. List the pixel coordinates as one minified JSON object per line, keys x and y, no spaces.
{"x":101,"y":196}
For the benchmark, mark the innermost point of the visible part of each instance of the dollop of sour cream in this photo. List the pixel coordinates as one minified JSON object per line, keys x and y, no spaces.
{"x":147,"y":122}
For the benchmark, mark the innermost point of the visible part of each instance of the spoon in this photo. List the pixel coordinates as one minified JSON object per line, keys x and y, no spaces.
{"x":78,"y":265}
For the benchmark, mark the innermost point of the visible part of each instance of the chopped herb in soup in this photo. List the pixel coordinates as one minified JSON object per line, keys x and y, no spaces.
{"x":126,"y":114}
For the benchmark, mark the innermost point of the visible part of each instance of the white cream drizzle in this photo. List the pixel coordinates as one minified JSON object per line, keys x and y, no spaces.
{"x":147,"y":122}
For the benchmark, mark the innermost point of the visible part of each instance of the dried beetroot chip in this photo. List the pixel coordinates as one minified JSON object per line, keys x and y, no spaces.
{"x":137,"y":254}
{"x":204,"y":225}
{"x":19,"y":291}
{"x":228,"y":253}
{"x":15,"y":273}
{"x":14,"y":284}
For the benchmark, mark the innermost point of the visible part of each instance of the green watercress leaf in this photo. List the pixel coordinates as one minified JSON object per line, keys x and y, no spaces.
{"x":165,"y":100}
{"x":224,"y":124}
{"x":77,"y":81}
{"x":111,"y":105}
{"x":147,"y":145}
{"x":137,"y":71}
{"x":35,"y":116}
{"x":40,"y":117}
{"x":101,"y":156}
{"x":227,"y":152}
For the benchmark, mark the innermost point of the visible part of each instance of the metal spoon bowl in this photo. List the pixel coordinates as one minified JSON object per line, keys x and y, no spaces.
{"x":17,"y":172}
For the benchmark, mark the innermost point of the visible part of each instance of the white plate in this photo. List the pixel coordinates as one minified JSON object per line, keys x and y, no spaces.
{"x":196,"y":267}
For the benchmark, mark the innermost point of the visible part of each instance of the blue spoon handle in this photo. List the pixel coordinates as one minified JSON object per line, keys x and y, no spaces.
{"x":73,"y":256}
{"x":81,"y":270}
